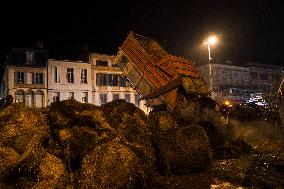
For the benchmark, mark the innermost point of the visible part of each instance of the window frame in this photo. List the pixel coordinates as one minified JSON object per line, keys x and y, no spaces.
{"x":70,"y":75}
{"x":84,"y":75}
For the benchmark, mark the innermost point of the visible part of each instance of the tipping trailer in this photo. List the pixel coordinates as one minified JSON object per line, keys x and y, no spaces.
{"x":154,"y":73}
{"x":181,"y":144}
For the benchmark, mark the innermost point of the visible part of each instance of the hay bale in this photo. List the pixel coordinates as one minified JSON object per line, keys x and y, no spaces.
{"x":24,"y":130}
{"x":132,"y":128}
{"x":8,"y":158}
{"x":180,"y":149}
{"x":77,"y":128}
{"x":69,"y":113}
{"x":110,"y":165}
{"x":128,"y":120}
{"x":19,"y":125}
{"x":52,"y":173}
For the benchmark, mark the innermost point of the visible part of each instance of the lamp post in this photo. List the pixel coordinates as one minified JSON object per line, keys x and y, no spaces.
{"x":210,"y":41}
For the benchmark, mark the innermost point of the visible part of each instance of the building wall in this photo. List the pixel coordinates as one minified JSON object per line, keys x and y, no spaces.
{"x":265,"y":80}
{"x":27,"y":87}
{"x":237,"y":83}
{"x":110,"y":89}
{"x":62,"y":86}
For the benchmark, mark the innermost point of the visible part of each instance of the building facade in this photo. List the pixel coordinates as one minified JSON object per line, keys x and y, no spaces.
{"x":69,"y":80}
{"x":239,"y":83}
{"x":109,"y":84}
{"x":25,"y":77}
{"x":265,"y":78}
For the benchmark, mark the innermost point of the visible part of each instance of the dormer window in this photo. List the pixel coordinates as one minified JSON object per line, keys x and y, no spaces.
{"x":29,"y":58}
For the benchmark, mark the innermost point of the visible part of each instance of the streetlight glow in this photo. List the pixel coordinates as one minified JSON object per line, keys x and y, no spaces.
{"x":212,"y":40}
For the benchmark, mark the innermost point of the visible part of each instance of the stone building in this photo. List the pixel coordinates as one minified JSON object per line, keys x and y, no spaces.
{"x":25,"y":77}
{"x":69,"y":80}
{"x":109,"y":84}
{"x":265,"y":78}
{"x":238,"y":83}
{"x":226,"y":81}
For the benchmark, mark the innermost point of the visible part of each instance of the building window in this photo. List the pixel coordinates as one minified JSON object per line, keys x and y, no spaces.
{"x":39,"y":99}
{"x":70,"y":95}
{"x":103,"y":99}
{"x":19,"y":96}
{"x":19,"y":77}
{"x":115,"y":96}
{"x":29,"y":58}
{"x":102,"y":79}
{"x":137,"y":97}
{"x":70,"y":75}
{"x":84,"y":75}
{"x":102,"y":63}
{"x":115,"y":80}
{"x":253,"y":75}
{"x":85,"y":97}
{"x":127,"y":97}
{"x":29,"y":98}
{"x":56,"y":78}
{"x":56,"y":96}
{"x":124,"y":81}
{"x":263,"y":76}
{"x":38,"y":78}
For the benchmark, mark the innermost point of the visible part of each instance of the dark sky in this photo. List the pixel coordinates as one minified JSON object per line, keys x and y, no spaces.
{"x":248,"y":30}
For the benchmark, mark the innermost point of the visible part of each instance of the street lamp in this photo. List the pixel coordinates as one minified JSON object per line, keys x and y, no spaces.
{"x":212,"y":40}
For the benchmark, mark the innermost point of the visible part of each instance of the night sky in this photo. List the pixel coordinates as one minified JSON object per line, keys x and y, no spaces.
{"x":248,"y":30}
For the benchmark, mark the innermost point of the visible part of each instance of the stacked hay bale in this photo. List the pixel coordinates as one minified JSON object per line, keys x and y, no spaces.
{"x":111,"y":165}
{"x":75,"y":145}
{"x":23,"y":132}
{"x":77,"y":129}
{"x":182,"y":151}
{"x":124,"y":161}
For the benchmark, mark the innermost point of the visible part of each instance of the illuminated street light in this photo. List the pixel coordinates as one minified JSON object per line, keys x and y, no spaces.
{"x":212,"y":40}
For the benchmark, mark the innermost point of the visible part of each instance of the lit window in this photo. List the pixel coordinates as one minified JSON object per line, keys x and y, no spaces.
{"x":84,"y":75}
{"x":19,"y":96}
{"x":70,"y":75}
{"x":85,"y":97}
